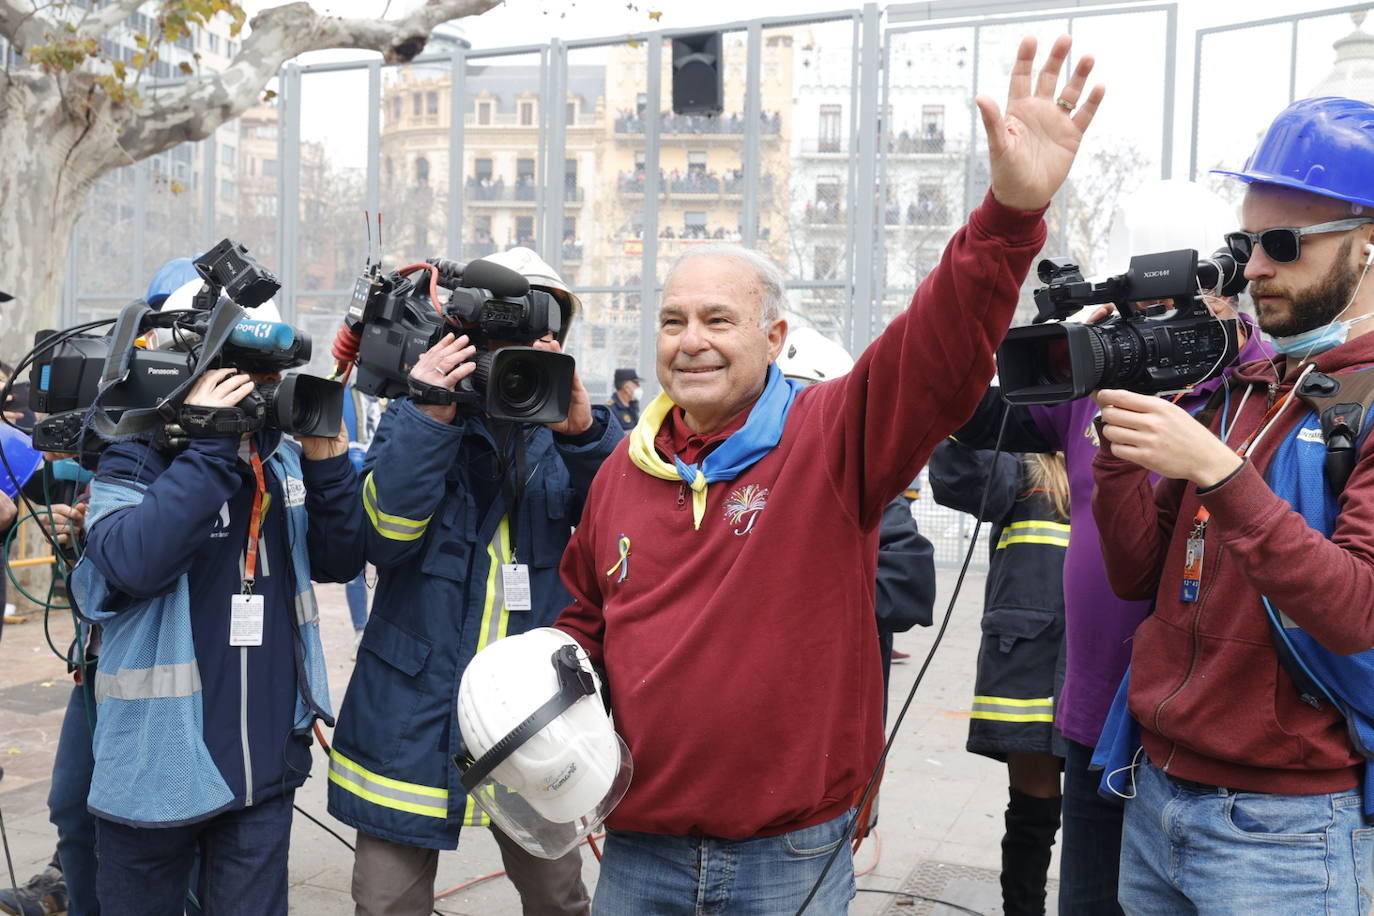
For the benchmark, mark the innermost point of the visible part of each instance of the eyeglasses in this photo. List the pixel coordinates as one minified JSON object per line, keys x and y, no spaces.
{"x":1281,"y":245}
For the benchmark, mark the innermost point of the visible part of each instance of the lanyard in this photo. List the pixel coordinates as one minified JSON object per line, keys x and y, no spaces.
{"x":514,"y":477}
{"x":1195,"y":546}
{"x":250,"y":563}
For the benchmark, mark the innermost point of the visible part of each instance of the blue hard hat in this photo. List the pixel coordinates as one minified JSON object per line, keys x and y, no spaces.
{"x":1324,"y":146}
{"x":170,"y":277}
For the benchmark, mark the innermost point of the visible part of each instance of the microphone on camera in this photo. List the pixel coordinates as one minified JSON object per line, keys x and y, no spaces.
{"x":271,"y":336}
{"x":500,"y":280}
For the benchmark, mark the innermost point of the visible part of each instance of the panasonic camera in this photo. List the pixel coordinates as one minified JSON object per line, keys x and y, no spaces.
{"x":398,"y":316}
{"x":99,"y":388}
{"x":1163,"y":337}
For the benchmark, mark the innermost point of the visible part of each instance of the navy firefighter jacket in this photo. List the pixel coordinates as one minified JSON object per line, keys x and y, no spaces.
{"x":192,"y":521}
{"x":439,"y":530}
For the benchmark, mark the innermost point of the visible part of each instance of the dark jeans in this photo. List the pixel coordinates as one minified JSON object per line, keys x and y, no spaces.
{"x":71,"y":783}
{"x":1090,"y":840}
{"x":144,"y":871}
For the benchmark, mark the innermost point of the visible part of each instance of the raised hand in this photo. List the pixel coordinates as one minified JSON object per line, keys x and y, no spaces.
{"x":1031,"y":147}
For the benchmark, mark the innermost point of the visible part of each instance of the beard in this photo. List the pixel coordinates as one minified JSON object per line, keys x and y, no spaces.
{"x":1313,"y":307}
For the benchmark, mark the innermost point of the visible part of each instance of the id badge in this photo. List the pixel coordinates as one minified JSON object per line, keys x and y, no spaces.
{"x":515,"y":580}
{"x":1192,"y":570}
{"x":245,"y":620}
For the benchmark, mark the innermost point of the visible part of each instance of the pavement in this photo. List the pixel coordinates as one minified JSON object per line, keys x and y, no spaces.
{"x":940,"y":809}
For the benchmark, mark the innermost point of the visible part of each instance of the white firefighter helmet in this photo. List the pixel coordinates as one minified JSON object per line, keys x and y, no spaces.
{"x":546,"y":763}
{"x":810,"y":356}
{"x":534,"y":269}
{"x":1165,"y":216}
{"x":182,"y":299}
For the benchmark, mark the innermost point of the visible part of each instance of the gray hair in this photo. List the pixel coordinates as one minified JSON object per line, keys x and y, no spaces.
{"x":771,"y":280}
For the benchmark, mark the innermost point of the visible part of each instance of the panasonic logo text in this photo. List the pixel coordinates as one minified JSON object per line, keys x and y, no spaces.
{"x":153,"y":370}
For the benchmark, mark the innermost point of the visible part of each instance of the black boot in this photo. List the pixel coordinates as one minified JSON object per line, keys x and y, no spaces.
{"x":1031,"y":825}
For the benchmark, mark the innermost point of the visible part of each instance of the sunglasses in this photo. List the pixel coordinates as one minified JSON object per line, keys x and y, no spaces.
{"x":1282,"y":245}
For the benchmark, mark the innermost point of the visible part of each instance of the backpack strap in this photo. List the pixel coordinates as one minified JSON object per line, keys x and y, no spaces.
{"x":1343,"y":403}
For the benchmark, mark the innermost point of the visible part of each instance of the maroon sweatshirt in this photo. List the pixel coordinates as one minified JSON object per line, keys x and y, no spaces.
{"x":741,"y":657}
{"x":1214,"y":703}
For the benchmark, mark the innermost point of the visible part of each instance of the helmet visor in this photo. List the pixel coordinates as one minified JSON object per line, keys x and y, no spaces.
{"x":564,"y":807}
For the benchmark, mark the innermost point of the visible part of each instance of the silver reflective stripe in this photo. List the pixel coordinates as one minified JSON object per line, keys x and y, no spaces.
{"x":307,"y":609}
{"x":243,"y":727}
{"x":159,"y":681}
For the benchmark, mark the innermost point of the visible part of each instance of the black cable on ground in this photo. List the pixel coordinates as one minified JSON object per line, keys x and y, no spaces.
{"x":920,"y":675}
{"x":935,"y":900}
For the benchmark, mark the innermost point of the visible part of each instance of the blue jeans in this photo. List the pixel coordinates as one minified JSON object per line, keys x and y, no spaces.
{"x":644,"y":874}
{"x":1214,"y":851}
{"x":71,"y":783}
{"x":356,"y":592}
{"x":1089,"y":840}
{"x":144,"y":871}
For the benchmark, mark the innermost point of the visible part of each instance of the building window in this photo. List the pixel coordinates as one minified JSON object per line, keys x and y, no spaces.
{"x":524,"y":169}
{"x":226,"y":155}
{"x":432,"y":103}
{"x":572,"y":114}
{"x":825,"y":260}
{"x":829,"y":131}
{"x":527,"y":113}
{"x":226,"y":189}
{"x":933,"y":128}
{"x":828,"y":189}
{"x":524,"y":231}
{"x":570,"y":174}
{"x":484,"y":112}
{"x":640,"y":159}
{"x":695,"y":219}
{"x":421,"y":170}
{"x":569,"y":228}
{"x":641,"y":103}
{"x":930,"y":205}
{"x":696,"y":162}
{"x":269,"y":168}
{"x":482,"y":169}
{"x":396,"y":108}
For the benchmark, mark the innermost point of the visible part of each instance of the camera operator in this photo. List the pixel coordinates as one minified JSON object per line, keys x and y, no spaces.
{"x":1098,"y":624}
{"x":468,"y":520}
{"x":1258,"y":558}
{"x":197,"y":567}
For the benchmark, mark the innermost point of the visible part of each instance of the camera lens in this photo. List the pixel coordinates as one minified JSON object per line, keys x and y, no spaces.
{"x":519,"y":385}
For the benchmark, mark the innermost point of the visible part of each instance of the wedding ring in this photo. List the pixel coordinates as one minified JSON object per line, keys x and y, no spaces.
{"x":1064,"y":103}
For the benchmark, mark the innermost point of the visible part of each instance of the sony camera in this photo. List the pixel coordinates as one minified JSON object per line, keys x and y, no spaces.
{"x":97,"y":388}
{"x":398,"y":316}
{"x":1163,"y":338}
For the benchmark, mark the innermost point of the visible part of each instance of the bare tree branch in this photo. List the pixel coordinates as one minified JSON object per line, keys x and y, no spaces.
{"x":23,"y":24}
{"x":97,"y":22}
{"x":194,"y":109}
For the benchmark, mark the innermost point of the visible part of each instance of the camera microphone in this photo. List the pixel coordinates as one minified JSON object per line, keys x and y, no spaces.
{"x":501,"y":281}
{"x":271,"y":336}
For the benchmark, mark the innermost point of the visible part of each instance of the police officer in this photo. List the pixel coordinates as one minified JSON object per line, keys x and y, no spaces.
{"x":624,"y":403}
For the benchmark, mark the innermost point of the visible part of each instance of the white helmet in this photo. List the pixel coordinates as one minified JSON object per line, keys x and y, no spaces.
{"x":182,"y":299}
{"x":810,"y":356}
{"x":1166,"y":216}
{"x":534,"y":269}
{"x":546,"y":763}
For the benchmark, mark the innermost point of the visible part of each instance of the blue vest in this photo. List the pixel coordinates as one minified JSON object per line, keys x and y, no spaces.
{"x":152,"y":765}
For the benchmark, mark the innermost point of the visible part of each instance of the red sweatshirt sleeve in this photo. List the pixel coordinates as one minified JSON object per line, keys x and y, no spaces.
{"x":584,"y":620}
{"x":1325,"y":585}
{"x":926,"y":372}
{"x":1135,"y":521}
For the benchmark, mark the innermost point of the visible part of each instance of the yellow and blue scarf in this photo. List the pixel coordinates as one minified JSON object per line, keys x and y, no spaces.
{"x":756,"y":438}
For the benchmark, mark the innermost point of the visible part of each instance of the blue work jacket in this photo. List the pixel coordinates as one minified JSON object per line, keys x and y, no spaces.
{"x":438,"y":530}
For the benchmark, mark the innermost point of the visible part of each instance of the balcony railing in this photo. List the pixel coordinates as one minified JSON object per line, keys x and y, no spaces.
{"x":477,"y":190}
{"x":770,"y":124}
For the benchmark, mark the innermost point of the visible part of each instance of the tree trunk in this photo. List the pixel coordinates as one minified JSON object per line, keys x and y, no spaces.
{"x":43,"y":188}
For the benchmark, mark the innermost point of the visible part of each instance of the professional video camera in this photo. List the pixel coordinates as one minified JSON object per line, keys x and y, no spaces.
{"x":395,"y":318}
{"x":1164,"y":338}
{"x":101,"y":388}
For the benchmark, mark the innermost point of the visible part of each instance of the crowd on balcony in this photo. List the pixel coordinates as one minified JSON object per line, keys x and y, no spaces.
{"x":930,"y":140}
{"x":926,"y":211}
{"x":628,"y":122}
{"x":693,"y":181}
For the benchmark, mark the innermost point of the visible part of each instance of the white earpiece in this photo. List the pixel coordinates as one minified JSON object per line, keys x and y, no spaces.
{"x":1369,"y":255}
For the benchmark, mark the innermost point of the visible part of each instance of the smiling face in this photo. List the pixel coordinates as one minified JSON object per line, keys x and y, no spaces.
{"x":713,"y":356}
{"x":1313,"y":290}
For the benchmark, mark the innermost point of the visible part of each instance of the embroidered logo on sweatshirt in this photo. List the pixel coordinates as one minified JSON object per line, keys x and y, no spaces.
{"x":742,"y":507}
{"x":219,"y":528}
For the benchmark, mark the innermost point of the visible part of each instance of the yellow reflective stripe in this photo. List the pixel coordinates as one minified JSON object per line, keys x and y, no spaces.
{"x":1031,"y":539}
{"x":384,"y":791}
{"x":1013,"y":716}
{"x":1052,"y":526}
{"x":495,"y":616}
{"x":393,"y":527}
{"x":474,"y":816}
{"x":1008,"y":701}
